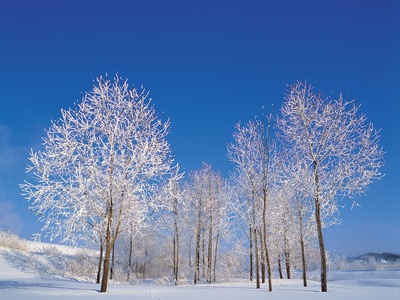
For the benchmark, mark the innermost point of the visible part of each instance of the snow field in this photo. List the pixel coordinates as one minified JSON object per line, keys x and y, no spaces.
{"x":19,"y":280}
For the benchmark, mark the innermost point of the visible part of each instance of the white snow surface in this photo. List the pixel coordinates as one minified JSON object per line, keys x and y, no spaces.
{"x":17,"y":281}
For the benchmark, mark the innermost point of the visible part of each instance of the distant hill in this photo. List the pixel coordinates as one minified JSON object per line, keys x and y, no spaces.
{"x":389,"y":257}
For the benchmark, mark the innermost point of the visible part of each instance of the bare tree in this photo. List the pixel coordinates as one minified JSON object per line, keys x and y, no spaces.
{"x":97,"y":166}
{"x":339,"y":147}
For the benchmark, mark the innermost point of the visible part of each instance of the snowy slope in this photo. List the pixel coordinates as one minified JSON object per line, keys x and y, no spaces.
{"x":25,"y":275}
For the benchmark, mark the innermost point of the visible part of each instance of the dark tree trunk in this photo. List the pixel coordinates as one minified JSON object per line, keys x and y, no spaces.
{"x":203,"y":253}
{"x":324,"y":279}
{"x":100,"y":261}
{"x":176,"y":244}
{"x":255,"y":242}
{"x":303,"y":253}
{"x":108,"y":245}
{"x":280,"y":266}
{"x":265,"y":240}
{"x":209,"y":255}
{"x":287,"y":255}
{"x":175,"y":260}
{"x":287,"y":263}
{"x":197,"y":254}
{"x":110,"y":242}
{"x":262,"y":259}
{"x":257,"y":260}
{"x":112,"y":262}
{"x":251,"y":252}
{"x":216,"y":255}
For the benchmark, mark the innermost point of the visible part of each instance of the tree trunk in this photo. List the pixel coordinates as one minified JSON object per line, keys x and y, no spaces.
{"x":108,"y":245}
{"x":110,"y":242}
{"x":265,"y":240}
{"x":112,"y":262}
{"x":287,"y":255}
{"x":303,"y":254}
{"x":177,"y":259}
{"x":216,"y":255}
{"x":251,"y":252}
{"x":197,"y":254}
{"x":262,"y":259}
{"x":280,"y":266}
{"x":136,"y":268}
{"x":324,"y":279}
{"x":176,"y":245}
{"x":100,"y":261}
{"x":257,"y":260}
{"x":255,"y":242}
{"x":190,"y":253}
{"x":209,"y":256}
{"x":174,"y":258}
{"x":203,"y":253}
{"x":144,"y":265}
{"x":287,"y":263}
{"x":130,"y":258}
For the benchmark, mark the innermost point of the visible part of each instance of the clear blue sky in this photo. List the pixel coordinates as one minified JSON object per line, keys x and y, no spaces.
{"x":207,"y":64}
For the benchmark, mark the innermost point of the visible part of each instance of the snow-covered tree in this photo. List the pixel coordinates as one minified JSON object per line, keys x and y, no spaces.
{"x":244,"y":218}
{"x":282,"y":227}
{"x":339,"y":147}
{"x":168,"y":220}
{"x":175,"y":197}
{"x":253,"y":154}
{"x":97,"y":166}
{"x":208,"y":195}
{"x":297,"y":183}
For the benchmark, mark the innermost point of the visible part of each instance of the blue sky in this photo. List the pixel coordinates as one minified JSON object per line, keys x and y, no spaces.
{"x":208,"y":65}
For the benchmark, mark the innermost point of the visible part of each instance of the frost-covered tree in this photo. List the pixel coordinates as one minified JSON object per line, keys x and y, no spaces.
{"x":168,"y":220}
{"x":297,"y":181}
{"x":253,"y":154}
{"x":97,"y":166}
{"x":174,"y":193}
{"x":208,"y":195}
{"x":340,"y":149}
{"x":283,"y":228}
{"x":245,"y":154}
{"x":244,"y":218}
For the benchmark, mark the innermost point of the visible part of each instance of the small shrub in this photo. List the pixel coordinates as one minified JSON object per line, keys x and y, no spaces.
{"x":13,"y":241}
{"x":49,"y":250}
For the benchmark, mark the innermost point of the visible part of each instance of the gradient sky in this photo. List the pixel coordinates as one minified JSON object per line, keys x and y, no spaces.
{"x":208,"y":65}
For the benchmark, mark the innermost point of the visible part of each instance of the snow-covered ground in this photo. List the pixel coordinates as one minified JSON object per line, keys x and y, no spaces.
{"x":20,"y":281}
